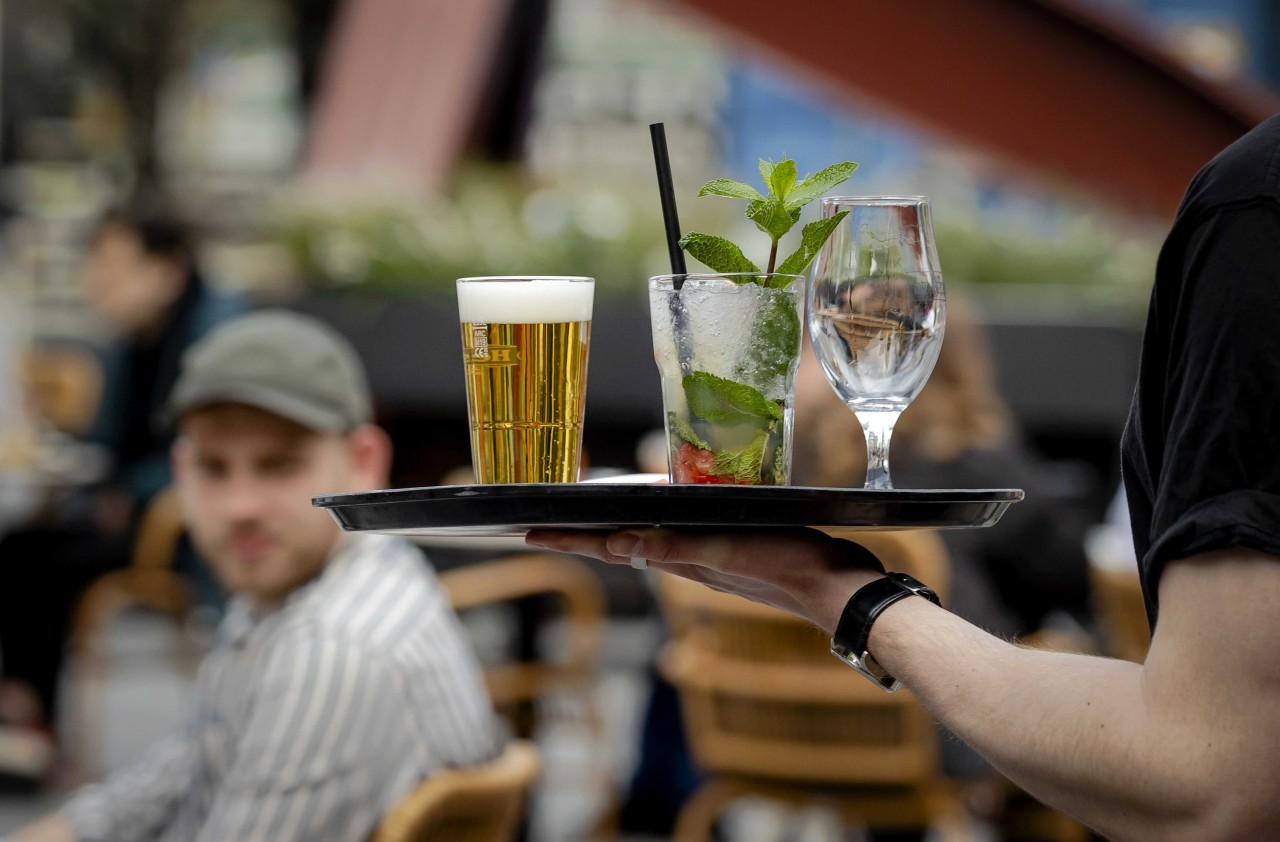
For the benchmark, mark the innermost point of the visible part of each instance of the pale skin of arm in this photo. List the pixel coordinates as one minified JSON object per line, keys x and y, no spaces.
{"x":1185,"y":746}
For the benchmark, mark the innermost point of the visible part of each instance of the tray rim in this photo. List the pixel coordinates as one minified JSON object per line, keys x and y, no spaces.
{"x":593,"y":489}
{"x":511,"y":510}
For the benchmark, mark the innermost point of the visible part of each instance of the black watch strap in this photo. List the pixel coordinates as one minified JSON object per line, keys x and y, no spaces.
{"x":849,"y":643}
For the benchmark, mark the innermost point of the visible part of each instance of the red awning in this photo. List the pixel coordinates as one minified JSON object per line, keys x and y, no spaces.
{"x":1056,"y":88}
{"x":402,"y":81}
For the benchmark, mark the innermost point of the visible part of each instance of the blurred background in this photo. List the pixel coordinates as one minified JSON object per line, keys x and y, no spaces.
{"x":351,"y":158}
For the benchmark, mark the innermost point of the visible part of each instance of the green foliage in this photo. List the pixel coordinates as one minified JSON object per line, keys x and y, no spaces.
{"x":720,"y":401}
{"x":813,"y":186}
{"x":1089,"y":268}
{"x":772,"y":217}
{"x":493,"y":221}
{"x":775,"y":343}
{"x":743,"y":465}
{"x":686,"y":433}
{"x":717,"y":253}
{"x":777,"y":212}
{"x":782,"y":178}
{"x":812,"y":236}
{"x":730,"y":189}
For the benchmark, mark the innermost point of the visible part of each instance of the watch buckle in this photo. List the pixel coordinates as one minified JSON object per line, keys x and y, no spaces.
{"x":868,"y":668}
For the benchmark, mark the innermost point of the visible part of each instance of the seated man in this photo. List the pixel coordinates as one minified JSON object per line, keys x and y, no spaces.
{"x":340,"y":676}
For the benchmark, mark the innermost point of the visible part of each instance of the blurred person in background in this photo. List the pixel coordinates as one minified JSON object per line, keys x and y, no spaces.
{"x":141,"y":279}
{"x":340,"y":676}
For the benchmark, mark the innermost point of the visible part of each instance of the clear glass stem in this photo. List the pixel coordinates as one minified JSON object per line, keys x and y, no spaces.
{"x":877,"y":427}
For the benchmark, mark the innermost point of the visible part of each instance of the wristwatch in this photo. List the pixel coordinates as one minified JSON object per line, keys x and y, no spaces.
{"x":849,"y":643}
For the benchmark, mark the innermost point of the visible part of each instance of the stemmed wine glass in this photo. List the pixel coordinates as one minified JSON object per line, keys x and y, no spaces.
{"x":877,"y":311}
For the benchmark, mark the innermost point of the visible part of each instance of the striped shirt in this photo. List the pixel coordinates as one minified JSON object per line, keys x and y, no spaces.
{"x":311,"y":720}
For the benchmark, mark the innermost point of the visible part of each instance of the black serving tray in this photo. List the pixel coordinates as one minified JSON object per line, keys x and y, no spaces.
{"x":486,"y":511}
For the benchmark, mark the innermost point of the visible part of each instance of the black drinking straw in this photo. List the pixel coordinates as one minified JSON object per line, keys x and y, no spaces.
{"x":679,"y":323}
{"x":658,"y":133}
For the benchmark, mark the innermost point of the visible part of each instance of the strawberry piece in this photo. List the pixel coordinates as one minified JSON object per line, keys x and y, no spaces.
{"x":693,"y":467}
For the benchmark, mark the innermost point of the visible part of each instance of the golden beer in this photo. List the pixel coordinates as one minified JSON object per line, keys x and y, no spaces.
{"x":525,"y":347}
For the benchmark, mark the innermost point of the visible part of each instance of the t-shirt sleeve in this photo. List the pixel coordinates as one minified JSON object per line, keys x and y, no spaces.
{"x":1219,"y":477}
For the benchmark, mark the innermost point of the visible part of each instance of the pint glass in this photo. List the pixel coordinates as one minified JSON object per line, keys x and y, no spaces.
{"x":524,"y":345}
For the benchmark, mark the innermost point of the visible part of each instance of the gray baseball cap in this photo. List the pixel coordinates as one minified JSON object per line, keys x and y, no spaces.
{"x":286,"y":363}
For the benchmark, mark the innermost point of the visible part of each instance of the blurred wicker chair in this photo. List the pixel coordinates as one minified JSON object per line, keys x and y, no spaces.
{"x":558,"y":685}
{"x":580,"y":598}
{"x":1117,"y":592}
{"x":480,"y":804}
{"x":149,"y":582}
{"x":64,"y":386}
{"x":770,"y":712}
{"x":1117,"y":597}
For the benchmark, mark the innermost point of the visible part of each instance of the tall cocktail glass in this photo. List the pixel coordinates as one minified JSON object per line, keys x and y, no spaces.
{"x":727,"y":348}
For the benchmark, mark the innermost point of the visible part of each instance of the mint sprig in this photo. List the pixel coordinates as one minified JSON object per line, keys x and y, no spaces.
{"x":775,"y":213}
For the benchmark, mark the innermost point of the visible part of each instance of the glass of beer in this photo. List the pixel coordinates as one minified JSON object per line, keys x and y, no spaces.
{"x":524,"y":346}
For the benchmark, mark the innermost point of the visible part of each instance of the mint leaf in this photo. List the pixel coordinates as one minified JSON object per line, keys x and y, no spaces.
{"x":743,"y":465}
{"x":682,"y":429}
{"x":819,"y":183}
{"x":812,"y":237}
{"x":775,"y":344}
{"x":717,"y":253}
{"x":730,"y":189}
{"x":772,"y":217}
{"x":783,"y":178}
{"x":722,"y":401}
{"x":766,"y":172}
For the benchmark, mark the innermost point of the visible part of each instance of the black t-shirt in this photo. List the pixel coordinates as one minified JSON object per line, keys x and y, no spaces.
{"x":1201,"y":450}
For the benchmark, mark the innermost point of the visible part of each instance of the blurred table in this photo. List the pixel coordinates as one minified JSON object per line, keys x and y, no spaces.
{"x":54,"y":465}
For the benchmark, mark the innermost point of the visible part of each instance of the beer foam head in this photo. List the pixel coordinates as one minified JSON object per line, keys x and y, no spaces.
{"x":524,"y":301}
